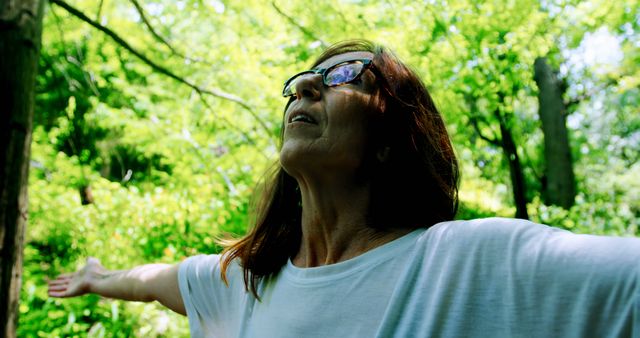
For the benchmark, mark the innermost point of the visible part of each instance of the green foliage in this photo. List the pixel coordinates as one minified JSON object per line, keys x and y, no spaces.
{"x":125,"y":225}
{"x":171,"y":170}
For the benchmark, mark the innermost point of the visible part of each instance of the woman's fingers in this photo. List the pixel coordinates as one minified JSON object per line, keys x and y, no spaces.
{"x":59,"y":294}
{"x":58,"y":290}
{"x":62,"y":285}
{"x":63,"y":277}
{"x":57,"y":282}
{"x":74,"y":283}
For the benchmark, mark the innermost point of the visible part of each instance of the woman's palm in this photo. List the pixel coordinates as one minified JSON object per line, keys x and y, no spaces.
{"x":76,"y":283}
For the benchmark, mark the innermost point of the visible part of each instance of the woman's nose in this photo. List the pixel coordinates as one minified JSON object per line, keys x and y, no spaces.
{"x":309,"y":86}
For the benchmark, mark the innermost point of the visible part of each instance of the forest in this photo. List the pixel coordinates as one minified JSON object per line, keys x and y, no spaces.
{"x":154,"y":121}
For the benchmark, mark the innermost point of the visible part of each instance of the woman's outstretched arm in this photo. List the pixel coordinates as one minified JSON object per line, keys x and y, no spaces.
{"x":143,"y":283}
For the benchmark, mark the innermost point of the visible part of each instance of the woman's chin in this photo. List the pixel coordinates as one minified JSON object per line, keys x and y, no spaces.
{"x":295,"y":160}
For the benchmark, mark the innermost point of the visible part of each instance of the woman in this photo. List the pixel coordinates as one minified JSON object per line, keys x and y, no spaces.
{"x":354,"y":236}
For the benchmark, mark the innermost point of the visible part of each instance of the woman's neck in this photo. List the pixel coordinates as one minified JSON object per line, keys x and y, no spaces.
{"x":335,"y":226}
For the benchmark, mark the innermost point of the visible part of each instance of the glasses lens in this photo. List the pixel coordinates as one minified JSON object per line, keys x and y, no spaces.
{"x":334,"y":76}
{"x":343,"y":73}
{"x":290,"y":85}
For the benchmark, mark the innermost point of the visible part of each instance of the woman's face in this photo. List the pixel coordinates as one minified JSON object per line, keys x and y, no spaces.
{"x":326,"y":128}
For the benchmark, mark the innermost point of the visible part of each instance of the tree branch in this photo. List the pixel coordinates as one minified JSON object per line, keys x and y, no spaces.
{"x":493,"y":141}
{"x":155,"y":34}
{"x":586,"y":95}
{"x":160,"y":69}
{"x":99,"y":12}
{"x":73,"y":60}
{"x":529,"y":164}
{"x":474,"y":117}
{"x":305,"y":31}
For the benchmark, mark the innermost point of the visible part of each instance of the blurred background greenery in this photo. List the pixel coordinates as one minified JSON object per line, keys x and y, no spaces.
{"x":155,"y":119}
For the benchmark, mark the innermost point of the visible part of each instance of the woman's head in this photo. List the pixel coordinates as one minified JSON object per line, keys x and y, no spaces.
{"x":406,"y":158}
{"x":326,"y":125}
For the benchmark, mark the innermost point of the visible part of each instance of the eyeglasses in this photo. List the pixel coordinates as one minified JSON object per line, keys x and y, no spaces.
{"x":336,"y":75}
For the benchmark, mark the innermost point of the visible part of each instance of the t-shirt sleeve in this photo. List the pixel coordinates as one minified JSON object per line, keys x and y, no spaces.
{"x":200,"y":283}
{"x":213,"y":307}
{"x":591,"y":282}
{"x":596,"y":277}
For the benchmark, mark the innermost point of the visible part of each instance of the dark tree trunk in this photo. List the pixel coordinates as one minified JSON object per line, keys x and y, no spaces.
{"x":558,"y":187}
{"x":20,"y":33}
{"x":518,"y":184}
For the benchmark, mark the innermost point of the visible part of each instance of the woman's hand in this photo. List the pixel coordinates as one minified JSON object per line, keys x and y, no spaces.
{"x":77,"y":283}
{"x":144,"y":283}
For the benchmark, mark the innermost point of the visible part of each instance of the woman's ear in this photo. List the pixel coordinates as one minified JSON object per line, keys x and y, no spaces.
{"x":383,"y":154}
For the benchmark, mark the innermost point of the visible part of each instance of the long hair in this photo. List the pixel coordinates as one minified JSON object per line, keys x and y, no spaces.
{"x":416,"y":187}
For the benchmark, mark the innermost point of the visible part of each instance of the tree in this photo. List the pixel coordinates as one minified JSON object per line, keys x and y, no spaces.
{"x":494,"y":81}
{"x":20,"y":33}
{"x":558,"y":187}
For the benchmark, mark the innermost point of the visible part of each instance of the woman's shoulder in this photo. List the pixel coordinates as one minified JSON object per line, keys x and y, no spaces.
{"x":518,"y":230}
{"x":492,"y":223}
{"x":491,"y":228}
{"x":201,"y":261}
{"x":207,"y":265}
{"x":509,"y":237}
{"x":205,"y":272}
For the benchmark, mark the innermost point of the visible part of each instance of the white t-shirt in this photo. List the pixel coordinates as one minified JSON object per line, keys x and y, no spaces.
{"x":484,"y":278}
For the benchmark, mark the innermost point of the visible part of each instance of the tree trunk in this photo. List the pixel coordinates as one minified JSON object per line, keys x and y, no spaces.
{"x":558,"y":187}
{"x":518,"y":184}
{"x":20,"y":33}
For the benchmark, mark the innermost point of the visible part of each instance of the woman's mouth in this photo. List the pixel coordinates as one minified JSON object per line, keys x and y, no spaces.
{"x":301,"y":117}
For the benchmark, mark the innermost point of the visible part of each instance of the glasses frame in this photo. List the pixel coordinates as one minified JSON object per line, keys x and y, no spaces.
{"x":366,"y":64}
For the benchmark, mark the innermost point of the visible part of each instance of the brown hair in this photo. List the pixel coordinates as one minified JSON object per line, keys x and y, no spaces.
{"x":416,"y":187}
